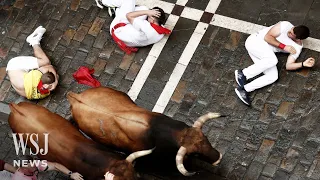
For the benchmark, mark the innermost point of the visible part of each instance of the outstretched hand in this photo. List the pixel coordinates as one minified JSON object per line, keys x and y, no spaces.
{"x":309,"y":62}
{"x":76,"y":176}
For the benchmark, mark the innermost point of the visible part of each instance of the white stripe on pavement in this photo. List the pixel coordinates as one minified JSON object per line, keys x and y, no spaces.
{"x":180,"y":67}
{"x":150,"y":61}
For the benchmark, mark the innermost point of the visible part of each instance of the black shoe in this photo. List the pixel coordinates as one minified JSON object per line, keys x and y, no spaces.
{"x":243,"y":95}
{"x":240,"y":78}
{"x":112,"y":12}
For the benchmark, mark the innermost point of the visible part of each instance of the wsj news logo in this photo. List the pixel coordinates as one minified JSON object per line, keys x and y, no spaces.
{"x":34,"y":139}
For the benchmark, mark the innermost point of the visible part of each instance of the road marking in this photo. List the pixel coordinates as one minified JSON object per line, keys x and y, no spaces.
{"x":151,"y":60}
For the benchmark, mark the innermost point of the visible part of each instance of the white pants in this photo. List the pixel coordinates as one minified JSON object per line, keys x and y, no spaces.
{"x":265,"y":61}
{"x":25,"y":63}
{"x":123,"y":8}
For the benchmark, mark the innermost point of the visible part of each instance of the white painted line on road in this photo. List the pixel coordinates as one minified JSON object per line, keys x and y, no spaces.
{"x":182,"y":2}
{"x":191,"y":13}
{"x":150,"y":61}
{"x":213,"y":6}
{"x":180,"y":67}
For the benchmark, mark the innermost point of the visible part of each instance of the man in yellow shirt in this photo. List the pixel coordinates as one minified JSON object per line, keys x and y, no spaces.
{"x":33,"y":77}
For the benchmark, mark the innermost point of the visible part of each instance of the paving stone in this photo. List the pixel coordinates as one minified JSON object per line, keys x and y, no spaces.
{"x":68,"y":35}
{"x":254,"y":171}
{"x":290,"y":161}
{"x":86,"y":44}
{"x":99,"y":67}
{"x":107,"y":50}
{"x":19,"y":4}
{"x":233,"y":42}
{"x":81,"y":33}
{"x":58,"y":12}
{"x":187,"y":102}
{"x":78,"y":60}
{"x":269,"y":170}
{"x":54,"y":40}
{"x":63,"y":65}
{"x":126,"y":61}
{"x":90,"y":16}
{"x":264,"y":150}
{"x":116,"y":78}
{"x":4,"y":89}
{"x":101,"y":40}
{"x":268,"y":113}
{"x":15,"y":30}
{"x":295,"y":87}
{"x":151,"y":94}
{"x":104,"y":79}
{"x":92,"y":56}
{"x":3,"y":74}
{"x":96,"y":26}
{"x":284,"y":109}
{"x":133,"y":71}
{"x":281,"y":175}
{"x":179,"y":92}
{"x":86,"y":4}
{"x":74,"y":5}
{"x":113,"y":63}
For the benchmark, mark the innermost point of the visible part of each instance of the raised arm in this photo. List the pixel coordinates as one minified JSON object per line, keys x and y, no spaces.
{"x":271,"y":36}
{"x":50,"y":68}
{"x":150,"y":13}
{"x":59,"y":167}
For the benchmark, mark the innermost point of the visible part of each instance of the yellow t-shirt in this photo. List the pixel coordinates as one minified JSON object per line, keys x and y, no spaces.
{"x":31,"y":81}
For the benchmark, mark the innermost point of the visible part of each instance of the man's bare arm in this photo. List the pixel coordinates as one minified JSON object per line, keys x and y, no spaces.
{"x":151,"y":13}
{"x":292,"y":65}
{"x":271,"y":36}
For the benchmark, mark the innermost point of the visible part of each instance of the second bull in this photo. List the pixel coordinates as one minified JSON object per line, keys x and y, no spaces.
{"x":112,"y":118}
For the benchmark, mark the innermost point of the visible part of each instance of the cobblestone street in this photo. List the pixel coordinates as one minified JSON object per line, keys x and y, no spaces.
{"x":277,"y":138}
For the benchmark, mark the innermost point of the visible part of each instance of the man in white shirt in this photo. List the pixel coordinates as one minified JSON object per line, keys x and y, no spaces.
{"x":261,"y":46}
{"x":135,"y":26}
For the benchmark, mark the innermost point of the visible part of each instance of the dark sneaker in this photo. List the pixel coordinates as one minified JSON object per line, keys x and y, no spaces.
{"x":240,"y":78}
{"x":243,"y":95}
{"x":112,"y":12}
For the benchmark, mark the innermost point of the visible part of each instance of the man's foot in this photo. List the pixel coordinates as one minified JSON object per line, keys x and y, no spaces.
{"x":36,"y":36}
{"x":112,"y":12}
{"x":243,"y":95}
{"x":240,"y":78}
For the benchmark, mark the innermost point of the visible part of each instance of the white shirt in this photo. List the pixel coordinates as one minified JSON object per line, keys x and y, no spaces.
{"x":138,"y":34}
{"x":283,"y":38}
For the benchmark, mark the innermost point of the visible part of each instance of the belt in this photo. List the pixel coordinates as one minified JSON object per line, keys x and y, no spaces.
{"x":120,"y":43}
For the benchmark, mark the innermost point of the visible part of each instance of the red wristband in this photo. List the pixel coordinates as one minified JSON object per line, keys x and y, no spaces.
{"x":281,"y":46}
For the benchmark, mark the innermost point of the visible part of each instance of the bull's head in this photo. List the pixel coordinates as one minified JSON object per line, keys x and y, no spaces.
{"x":194,"y":141}
{"x":124,"y":170}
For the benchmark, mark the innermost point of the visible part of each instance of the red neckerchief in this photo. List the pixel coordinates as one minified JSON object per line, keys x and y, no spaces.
{"x":160,"y":29}
{"x":41,"y":89}
{"x":120,"y":43}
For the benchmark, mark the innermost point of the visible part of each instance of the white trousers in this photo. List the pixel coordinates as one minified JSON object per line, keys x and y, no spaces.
{"x":265,"y":61}
{"x":25,"y":63}
{"x":123,"y":8}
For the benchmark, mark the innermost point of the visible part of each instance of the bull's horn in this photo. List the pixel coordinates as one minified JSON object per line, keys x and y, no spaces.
{"x":202,"y":119}
{"x":179,"y":162}
{"x":138,"y":154}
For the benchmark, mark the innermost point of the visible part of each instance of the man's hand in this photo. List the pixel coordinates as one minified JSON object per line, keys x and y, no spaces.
{"x":108,"y":176}
{"x":154,"y":13}
{"x":290,"y":49}
{"x":309,"y":62}
{"x":76,"y":176}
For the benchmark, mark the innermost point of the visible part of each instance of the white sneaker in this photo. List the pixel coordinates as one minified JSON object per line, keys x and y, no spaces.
{"x":98,"y":4}
{"x":36,"y":36}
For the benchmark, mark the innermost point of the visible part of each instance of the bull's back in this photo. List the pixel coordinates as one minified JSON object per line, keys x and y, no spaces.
{"x":112,"y":118}
{"x":66,"y":145}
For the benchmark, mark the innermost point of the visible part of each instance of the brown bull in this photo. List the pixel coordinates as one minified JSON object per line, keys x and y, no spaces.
{"x":112,"y":118}
{"x":68,"y":146}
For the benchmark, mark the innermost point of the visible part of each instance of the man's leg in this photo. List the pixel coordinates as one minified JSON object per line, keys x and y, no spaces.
{"x":34,"y":40}
{"x":269,"y":77}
